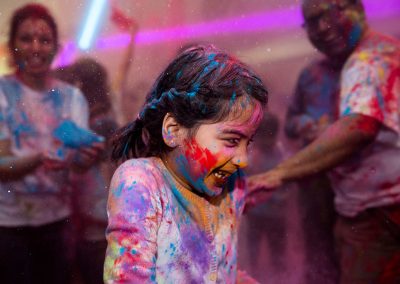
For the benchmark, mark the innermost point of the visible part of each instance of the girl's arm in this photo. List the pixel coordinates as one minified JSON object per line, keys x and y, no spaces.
{"x":134,"y":214}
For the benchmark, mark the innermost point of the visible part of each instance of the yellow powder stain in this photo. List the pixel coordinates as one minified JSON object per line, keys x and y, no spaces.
{"x":363,"y":56}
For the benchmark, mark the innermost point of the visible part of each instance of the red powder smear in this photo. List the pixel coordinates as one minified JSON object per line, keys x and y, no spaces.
{"x":390,"y":270}
{"x":205,"y":158}
{"x":122,"y":21}
{"x":386,"y":185}
{"x":355,"y":87}
{"x":376,"y":110}
{"x":365,"y":125}
{"x":395,"y":74}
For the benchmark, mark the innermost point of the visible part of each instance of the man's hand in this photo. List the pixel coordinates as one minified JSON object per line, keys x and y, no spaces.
{"x":244,"y":278}
{"x":265,"y":182}
{"x":260,"y":187}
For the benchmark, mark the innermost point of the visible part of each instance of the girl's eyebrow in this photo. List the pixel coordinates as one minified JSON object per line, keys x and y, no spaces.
{"x":234,"y":131}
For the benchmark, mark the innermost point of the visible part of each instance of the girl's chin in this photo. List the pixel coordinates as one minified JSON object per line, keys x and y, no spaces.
{"x":213,"y":190}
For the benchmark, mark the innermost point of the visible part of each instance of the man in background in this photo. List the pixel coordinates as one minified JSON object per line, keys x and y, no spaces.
{"x":361,"y":150}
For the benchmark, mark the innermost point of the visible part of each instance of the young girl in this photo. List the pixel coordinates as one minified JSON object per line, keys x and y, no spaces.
{"x":174,"y":208}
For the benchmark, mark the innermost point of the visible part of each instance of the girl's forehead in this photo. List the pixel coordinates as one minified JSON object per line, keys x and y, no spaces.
{"x":245,"y":114}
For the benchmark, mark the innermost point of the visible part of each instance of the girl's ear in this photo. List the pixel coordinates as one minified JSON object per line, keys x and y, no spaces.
{"x":172,"y":131}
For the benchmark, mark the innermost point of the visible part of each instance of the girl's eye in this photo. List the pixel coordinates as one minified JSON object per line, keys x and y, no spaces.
{"x":232,"y":142}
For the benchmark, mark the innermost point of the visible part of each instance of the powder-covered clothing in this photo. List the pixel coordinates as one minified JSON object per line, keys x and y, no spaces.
{"x":161,"y":232}
{"x":28,"y":119}
{"x":315,"y":99}
{"x":370,"y":85}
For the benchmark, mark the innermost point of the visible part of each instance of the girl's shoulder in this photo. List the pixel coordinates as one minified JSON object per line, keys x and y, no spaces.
{"x":138,"y":179}
{"x":145,"y":170}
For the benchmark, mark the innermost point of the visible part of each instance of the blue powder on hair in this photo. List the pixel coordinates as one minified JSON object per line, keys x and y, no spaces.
{"x":179,"y":75}
{"x":126,"y":148}
{"x":232,"y":100}
{"x":191,"y":95}
{"x":196,"y":87}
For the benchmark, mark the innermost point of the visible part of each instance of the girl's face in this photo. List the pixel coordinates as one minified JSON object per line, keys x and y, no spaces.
{"x":34,"y":47}
{"x":205,"y":161}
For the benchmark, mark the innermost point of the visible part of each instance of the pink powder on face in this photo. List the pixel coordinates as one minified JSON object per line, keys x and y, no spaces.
{"x":193,"y":152}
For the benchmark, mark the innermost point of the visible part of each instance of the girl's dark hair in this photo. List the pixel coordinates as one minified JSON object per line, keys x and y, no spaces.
{"x":202,"y":84}
{"x":35,"y":11}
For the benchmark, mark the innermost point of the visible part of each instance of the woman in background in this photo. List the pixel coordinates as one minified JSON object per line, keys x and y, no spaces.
{"x":34,"y":190}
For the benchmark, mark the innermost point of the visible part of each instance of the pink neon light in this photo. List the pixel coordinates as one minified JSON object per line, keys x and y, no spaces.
{"x":283,"y":19}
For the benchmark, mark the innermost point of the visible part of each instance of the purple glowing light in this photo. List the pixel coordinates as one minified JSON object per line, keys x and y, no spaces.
{"x":271,"y":20}
{"x":65,"y":57}
{"x":282,"y":19}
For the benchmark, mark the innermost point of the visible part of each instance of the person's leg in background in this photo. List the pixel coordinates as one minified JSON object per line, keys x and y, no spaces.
{"x":369,"y":252}
{"x":52,"y":259}
{"x":317,"y":221}
{"x":15,"y":256}
{"x":91,"y":256}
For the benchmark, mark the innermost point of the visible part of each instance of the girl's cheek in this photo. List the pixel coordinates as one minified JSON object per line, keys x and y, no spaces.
{"x":205,"y":158}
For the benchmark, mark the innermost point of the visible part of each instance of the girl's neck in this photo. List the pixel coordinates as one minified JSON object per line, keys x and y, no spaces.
{"x":38,"y":83}
{"x":179,"y":182}
{"x":171,"y":171}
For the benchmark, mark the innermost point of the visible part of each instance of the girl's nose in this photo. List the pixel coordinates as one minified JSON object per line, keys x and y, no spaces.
{"x":241,"y":159}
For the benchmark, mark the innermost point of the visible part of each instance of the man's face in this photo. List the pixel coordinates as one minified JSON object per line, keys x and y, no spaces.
{"x":334,"y":27}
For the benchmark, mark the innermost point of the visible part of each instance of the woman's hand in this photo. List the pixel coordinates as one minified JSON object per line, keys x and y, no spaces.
{"x":52,"y":162}
{"x":89,"y":156}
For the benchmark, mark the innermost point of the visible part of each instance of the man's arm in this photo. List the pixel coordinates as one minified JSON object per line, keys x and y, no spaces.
{"x":343,"y":138}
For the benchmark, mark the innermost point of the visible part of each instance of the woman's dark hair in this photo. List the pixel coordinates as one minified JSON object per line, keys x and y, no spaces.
{"x":94,"y":82}
{"x":35,"y":11}
{"x":93,"y":79}
{"x":202,"y":84}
